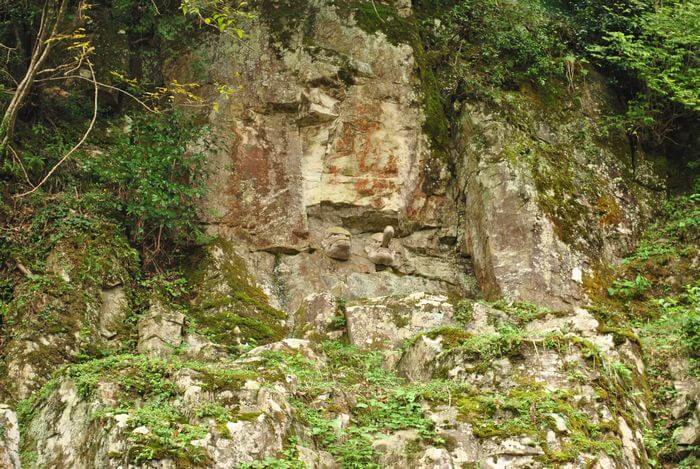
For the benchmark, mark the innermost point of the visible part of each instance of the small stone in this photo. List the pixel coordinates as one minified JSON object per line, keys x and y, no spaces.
{"x":122,"y":420}
{"x":559,"y":423}
{"x":577,"y":275}
{"x":251,"y":385}
{"x":142,"y":430}
{"x":340,"y":423}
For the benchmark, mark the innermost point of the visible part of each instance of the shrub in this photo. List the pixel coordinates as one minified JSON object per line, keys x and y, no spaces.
{"x":652,"y":47}
{"x":503,"y":43}
{"x":156,"y":177}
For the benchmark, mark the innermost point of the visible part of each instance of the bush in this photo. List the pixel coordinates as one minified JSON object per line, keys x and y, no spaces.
{"x":504,"y":43}
{"x":156,"y":177}
{"x":652,"y":47}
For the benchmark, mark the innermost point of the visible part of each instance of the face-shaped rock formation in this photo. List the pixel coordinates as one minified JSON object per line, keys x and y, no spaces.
{"x":336,"y":243}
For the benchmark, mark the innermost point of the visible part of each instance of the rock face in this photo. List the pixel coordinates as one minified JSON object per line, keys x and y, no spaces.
{"x":76,"y":305}
{"x":534,"y":368}
{"x":113,"y":310}
{"x":229,"y":422}
{"x":9,"y":438}
{"x":322,"y":148}
{"x":533,"y":227}
{"x":336,"y":223}
{"x":160,"y":331}
{"x":386,"y":322}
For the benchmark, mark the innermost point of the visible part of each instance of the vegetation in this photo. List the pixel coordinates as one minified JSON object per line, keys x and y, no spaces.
{"x":156,"y":179}
{"x":384,"y":403}
{"x":479,"y":49}
{"x":652,"y":48}
{"x":655,"y":294}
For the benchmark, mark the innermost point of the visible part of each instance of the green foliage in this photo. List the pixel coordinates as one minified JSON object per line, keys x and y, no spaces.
{"x":339,"y":319}
{"x":520,"y":312}
{"x":145,"y":389}
{"x":663,"y":53}
{"x":663,"y":311}
{"x":629,"y":289}
{"x":231,"y":300}
{"x":136,"y":375}
{"x":502,"y":43}
{"x":683,"y":312}
{"x":169,"y":435}
{"x":621,"y":371}
{"x":464,"y":312}
{"x":288,"y":459}
{"x":385,"y":403}
{"x":672,"y":236}
{"x":653,"y":49}
{"x":156,"y":176}
{"x":528,"y":409}
{"x":691,"y":333}
{"x":220,"y":14}
{"x":170,"y":286}
{"x":505,"y":341}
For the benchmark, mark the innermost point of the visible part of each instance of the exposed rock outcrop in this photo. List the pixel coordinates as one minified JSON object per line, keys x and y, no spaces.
{"x":71,"y":310}
{"x":383,"y":323}
{"x":326,"y":134}
{"x":393,"y":362}
{"x":160,"y":330}
{"x":541,"y":213}
{"x":9,"y":438}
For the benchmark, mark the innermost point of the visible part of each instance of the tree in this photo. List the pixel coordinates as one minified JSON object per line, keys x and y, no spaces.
{"x":53,"y":29}
{"x":46,"y":42}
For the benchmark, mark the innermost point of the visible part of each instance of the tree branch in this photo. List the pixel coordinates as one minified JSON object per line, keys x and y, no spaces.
{"x":104,"y":85}
{"x":77,"y":145}
{"x":19,"y":162}
{"x":41,"y":51}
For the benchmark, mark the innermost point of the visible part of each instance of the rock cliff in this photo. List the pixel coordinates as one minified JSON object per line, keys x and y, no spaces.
{"x":472,"y":337}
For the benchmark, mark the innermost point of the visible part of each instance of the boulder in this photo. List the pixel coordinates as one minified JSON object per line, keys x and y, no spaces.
{"x":384,"y":323}
{"x":160,"y":330}
{"x":319,"y":317}
{"x":113,"y":309}
{"x":336,"y":243}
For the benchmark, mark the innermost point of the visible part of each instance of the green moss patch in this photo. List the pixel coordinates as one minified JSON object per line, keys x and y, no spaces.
{"x":287,"y":18}
{"x":529,"y":410}
{"x":227,"y":298}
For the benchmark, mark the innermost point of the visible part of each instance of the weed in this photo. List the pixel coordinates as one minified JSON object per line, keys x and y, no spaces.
{"x":630,"y":289}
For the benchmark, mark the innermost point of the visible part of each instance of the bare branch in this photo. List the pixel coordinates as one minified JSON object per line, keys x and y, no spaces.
{"x":77,"y":145}
{"x":19,"y":162}
{"x":103,"y":85}
{"x":21,"y":267}
{"x":41,"y":51}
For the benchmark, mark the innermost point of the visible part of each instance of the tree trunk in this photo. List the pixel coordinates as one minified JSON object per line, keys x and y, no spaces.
{"x":40,"y":53}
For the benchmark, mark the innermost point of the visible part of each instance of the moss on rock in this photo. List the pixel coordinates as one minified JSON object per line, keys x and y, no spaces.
{"x":226,"y":298}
